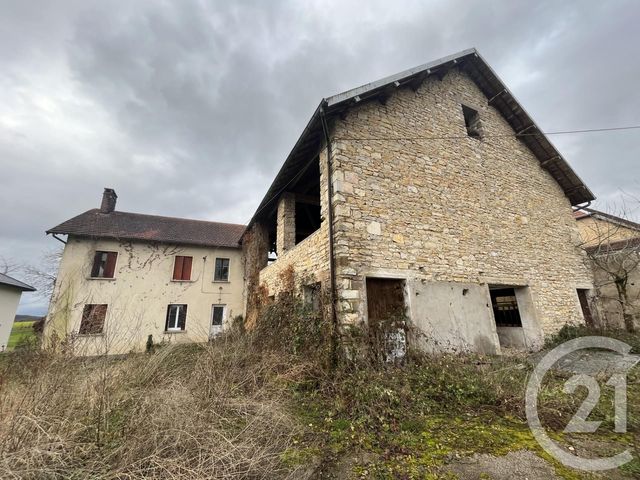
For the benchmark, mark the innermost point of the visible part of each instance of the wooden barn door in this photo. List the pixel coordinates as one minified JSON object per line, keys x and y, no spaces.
{"x":386,"y":313}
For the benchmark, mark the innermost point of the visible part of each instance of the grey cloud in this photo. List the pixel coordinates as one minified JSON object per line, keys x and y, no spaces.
{"x":188,"y":108}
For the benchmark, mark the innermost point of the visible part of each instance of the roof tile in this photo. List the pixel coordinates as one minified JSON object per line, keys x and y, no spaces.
{"x":136,"y":226}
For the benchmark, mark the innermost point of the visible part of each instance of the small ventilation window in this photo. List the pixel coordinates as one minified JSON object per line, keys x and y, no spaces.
{"x":472,"y":122}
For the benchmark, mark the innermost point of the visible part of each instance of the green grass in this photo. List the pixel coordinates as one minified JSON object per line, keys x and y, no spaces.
{"x":20,"y":333}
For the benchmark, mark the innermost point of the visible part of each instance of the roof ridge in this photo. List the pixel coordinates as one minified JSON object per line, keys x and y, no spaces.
{"x":97,"y":210}
{"x":14,"y":282}
{"x":609,"y":216}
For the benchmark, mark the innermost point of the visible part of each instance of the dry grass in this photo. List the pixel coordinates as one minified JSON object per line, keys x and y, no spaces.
{"x":205,"y":411}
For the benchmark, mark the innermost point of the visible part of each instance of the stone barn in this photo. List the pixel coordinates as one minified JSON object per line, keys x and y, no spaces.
{"x":431,"y":193}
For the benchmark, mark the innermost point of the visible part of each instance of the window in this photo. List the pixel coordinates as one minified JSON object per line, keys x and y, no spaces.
{"x":222,"y":270}
{"x":505,"y":307}
{"x":176,"y":318}
{"x":583,"y":296}
{"x":182,"y":268}
{"x":104,"y":264}
{"x":311,"y":296}
{"x":92,"y":319}
{"x":472,"y":122}
{"x":217,"y":315}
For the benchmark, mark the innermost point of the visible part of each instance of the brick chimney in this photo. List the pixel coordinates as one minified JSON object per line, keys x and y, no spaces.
{"x":109,"y":199}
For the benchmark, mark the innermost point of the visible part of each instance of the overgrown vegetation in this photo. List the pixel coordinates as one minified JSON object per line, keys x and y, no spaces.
{"x":569,"y":332}
{"x":270,"y":403}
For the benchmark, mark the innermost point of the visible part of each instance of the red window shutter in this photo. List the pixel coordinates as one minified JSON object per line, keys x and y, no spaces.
{"x":93,"y":317}
{"x":186,"y":268}
{"x":95,"y":270}
{"x":110,"y":268}
{"x":177,"y":268}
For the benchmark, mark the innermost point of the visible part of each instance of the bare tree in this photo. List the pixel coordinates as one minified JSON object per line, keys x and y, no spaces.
{"x":613,"y":247}
{"x":43,"y":275}
{"x":8,"y":266}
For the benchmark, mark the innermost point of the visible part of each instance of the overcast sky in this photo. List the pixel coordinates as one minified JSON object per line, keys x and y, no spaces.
{"x":188,"y":108}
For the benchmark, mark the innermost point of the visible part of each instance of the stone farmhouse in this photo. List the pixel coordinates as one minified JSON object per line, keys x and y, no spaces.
{"x":429,"y":195}
{"x":126,"y":279}
{"x":613,"y":246}
{"x":431,"y":192}
{"x":600,"y":228}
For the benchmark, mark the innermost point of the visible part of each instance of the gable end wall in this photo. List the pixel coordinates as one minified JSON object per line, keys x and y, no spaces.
{"x":449,"y":210}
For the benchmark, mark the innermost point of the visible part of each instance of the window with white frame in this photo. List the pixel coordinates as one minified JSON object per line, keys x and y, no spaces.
{"x":222,"y":270}
{"x":217,"y":315}
{"x":176,"y":318}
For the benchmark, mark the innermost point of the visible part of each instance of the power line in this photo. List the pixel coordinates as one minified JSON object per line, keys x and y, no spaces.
{"x":451,"y":137}
{"x":458,"y":137}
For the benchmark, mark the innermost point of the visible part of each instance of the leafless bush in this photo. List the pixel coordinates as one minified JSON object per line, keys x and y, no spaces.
{"x":197,"y":411}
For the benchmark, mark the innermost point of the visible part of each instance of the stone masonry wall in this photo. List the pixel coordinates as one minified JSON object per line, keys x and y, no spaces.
{"x":286,"y":229}
{"x":451,"y":210}
{"x":309,"y":258}
{"x":594,"y":231}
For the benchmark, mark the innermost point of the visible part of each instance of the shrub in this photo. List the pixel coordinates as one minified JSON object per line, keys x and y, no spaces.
{"x":569,"y":332}
{"x":186,"y":411}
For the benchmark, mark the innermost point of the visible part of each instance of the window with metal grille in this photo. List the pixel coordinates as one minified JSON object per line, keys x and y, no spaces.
{"x":104,"y":264}
{"x":182,"y":268}
{"x":176,"y":318}
{"x":93,"y":316}
{"x":505,"y":307}
{"x":222,"y":270}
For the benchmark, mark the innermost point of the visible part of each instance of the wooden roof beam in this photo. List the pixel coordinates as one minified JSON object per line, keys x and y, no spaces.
{"x":549,"y":160}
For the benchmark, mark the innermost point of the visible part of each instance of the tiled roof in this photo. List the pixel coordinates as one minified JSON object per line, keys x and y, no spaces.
{"x":153,"y":228}
{"x":12,"y":282}
{"x":469,"y":61}
{"x":607,"y":217}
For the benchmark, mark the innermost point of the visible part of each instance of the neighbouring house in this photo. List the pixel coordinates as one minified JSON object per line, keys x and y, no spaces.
{"x":600,"y":228}
{"x":127,"y":279}
{"x":434,"y":194}
{"x":10,"y":293}
{"x":613,"y":247}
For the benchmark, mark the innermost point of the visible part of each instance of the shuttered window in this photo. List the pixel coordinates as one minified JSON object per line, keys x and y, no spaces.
{"x":93,"y":319}
{"x":104,"y":264}
{"x":176,"y":317}
{"x":182,"y":268}
{"x":222,"y":270}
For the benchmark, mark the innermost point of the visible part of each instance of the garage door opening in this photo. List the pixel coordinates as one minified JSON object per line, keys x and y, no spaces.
{"x":386,"y":318}
{"x":507,"y":315}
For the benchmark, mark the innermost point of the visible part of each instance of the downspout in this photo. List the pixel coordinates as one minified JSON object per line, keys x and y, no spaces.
{"x":332,"y":262}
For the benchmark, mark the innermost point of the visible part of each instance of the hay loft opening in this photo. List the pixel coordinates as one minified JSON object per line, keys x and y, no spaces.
{"x":296,"y":214}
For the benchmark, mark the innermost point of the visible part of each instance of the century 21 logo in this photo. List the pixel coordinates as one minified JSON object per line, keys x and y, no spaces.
{"x":579,"y":422}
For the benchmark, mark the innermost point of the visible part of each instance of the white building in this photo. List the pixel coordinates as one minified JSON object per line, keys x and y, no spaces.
{"x":126,"y":279}
{"x":10,"y":292}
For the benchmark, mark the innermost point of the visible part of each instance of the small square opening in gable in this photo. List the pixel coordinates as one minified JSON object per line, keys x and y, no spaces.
{"x":472,"y":122}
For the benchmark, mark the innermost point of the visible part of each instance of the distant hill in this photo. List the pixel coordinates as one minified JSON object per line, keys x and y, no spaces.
{"x":27,"y":318}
